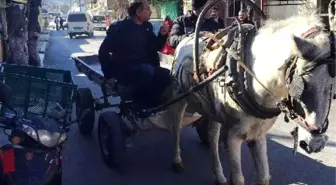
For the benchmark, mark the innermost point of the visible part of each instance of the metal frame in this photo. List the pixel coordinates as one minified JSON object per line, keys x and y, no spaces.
{"x":283,"y":2}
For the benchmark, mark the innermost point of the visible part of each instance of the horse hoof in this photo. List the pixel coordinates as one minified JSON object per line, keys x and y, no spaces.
{"x":178,"y":167}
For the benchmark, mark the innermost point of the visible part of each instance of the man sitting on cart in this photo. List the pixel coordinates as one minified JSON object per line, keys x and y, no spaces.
{"x":129,"y":54}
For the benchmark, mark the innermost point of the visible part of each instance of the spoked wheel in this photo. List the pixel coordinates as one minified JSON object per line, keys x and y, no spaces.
{"x":202,"y":131}
{"x":85,"y":110}
{"x":112,"y":139}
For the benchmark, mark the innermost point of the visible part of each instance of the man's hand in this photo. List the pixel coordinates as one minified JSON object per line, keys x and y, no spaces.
{"x":164,"y":29}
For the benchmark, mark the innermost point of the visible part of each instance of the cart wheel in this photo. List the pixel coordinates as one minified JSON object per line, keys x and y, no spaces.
{"x":85,"y":110}
{"x":112,"y":139}
{"x":71,"y":36}
{"x":202,"y":131}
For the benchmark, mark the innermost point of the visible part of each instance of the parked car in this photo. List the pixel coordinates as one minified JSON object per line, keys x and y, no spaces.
{"x":99,"y":22}
{"x":79,"y":23}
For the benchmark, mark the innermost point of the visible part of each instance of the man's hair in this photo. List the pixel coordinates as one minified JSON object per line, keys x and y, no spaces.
{"x":134,"y":6}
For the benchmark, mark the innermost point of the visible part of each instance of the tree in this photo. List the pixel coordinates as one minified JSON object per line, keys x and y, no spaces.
{"x":118,"y":7}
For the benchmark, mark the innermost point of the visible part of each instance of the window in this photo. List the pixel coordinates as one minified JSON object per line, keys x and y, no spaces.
{"x":77,"y":18}
{"x":99,"y":19}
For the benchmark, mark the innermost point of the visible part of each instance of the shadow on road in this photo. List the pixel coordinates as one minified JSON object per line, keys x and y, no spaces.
{"x":149,"y":163}
{"x":288,"y":138}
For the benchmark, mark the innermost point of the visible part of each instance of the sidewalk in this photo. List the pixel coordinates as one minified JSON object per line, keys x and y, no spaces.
{"x":42,"y":44}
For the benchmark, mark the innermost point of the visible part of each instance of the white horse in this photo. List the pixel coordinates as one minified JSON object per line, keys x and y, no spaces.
{"x":274,"y":43}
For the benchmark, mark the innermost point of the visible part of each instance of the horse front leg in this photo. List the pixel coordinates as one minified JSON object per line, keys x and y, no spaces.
{"x":234,"y":143}
{"x":214,"y":131}
{"x":258,"y":150}
{"x":177,"y":117}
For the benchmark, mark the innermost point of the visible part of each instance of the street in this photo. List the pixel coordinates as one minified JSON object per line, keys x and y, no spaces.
{"x":149,"y":160}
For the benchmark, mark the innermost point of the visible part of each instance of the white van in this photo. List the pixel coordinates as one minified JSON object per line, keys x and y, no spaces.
{"x":79,"y":23}
{"x":99,"y":22}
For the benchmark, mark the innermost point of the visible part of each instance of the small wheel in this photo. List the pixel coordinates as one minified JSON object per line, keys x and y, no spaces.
{"x":71,"y":36}
{"x":202,"y":131}
{"x":85,"y":110}
{"x":112,"y":139}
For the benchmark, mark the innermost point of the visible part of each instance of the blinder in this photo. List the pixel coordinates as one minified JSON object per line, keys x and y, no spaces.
{"x":296,"y":86}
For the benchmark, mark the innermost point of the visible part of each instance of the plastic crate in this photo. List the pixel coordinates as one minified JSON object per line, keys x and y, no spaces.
{"x":40,"y":91}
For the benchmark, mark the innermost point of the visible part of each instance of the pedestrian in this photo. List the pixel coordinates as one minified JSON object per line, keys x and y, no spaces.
{"x":56,"y":22}
{"x":61,"y":23}
{"x":34,"y":30}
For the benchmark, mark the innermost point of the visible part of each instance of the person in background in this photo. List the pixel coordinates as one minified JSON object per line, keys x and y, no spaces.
{"x":243,"y":18}
{"x":215,"y":16}
{"x":57,"y":22}
{"x":61,"y":21}
{"x":167,"y":49}
{"x":185,"y":24}
{"x":129,"y":53}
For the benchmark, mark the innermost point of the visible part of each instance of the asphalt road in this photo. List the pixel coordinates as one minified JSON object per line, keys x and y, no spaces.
{"x":149,"y":160}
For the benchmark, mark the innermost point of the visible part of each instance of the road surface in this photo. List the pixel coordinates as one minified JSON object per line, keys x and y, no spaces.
{"x":149,"y":160}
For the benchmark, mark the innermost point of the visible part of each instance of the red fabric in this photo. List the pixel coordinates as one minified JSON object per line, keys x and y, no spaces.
{"x":167,"y":49}
{"x":8,"y":161}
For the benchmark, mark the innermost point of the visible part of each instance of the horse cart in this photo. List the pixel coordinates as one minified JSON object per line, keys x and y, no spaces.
{"x":116,"y":126}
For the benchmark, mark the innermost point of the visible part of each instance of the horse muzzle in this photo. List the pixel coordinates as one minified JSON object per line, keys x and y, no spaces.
{"x":311,"y":143}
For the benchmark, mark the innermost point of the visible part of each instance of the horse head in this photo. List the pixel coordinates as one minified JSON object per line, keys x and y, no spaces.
{"x":300,"y":60}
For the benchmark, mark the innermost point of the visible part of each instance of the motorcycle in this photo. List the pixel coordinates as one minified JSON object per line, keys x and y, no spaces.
{"x":33,"y":156}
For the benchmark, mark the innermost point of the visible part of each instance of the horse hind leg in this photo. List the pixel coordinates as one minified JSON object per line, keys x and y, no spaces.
{"x":177,"y":112}
{"x":258,"y":150}
{"x":214,"y":131}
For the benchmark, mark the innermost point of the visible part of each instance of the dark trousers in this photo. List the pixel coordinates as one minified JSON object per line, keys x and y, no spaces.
{"x":61,"y":27}
{"x":148,"y":81}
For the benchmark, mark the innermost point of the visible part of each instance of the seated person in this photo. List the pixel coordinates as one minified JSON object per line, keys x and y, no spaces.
{"x":129,"y":54}
{"x":185,"y":24}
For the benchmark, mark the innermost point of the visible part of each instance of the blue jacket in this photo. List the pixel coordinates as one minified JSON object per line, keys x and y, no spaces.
{"x":128,"y":44}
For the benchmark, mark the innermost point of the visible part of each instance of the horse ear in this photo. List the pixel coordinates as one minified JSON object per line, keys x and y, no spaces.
{"x":305,"y":49}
